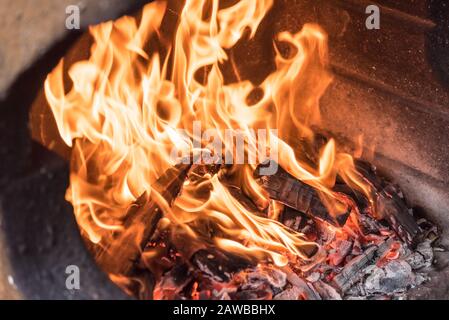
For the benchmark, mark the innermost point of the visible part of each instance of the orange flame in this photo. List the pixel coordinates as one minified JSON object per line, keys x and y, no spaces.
{"x":130,"y":99}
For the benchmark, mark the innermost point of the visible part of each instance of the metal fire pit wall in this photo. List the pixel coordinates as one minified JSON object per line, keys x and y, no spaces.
{"x":391,"y":85}
{"x":39,"y":237}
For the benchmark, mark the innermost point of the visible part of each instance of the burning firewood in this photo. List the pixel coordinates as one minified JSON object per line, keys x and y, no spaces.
{"x":307,"y":290}
{"x":119,"y":253}
{"x":219,"y":265}
{"x":397,"y":214}
{"x":389,"y":205}
{"x":298,"y":195}
{"x":326,"y":291}
{"x":145,"y":99}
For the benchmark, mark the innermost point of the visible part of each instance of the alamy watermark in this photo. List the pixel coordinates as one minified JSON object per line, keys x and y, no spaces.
{"x":72,"y":281}
{"x":228,"y":146}
{"x":373,"y":20}
{"x":73,"y":19}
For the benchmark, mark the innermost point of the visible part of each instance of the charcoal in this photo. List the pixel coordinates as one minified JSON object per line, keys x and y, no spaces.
{"x":293,"y":219}
{"x":422,"y":257}
{"x":373,"y":282}
{"x":426,"y":250}
{"x":368,"y":224}
{"x":326,"y":291}
{"x":293,"y":293}
{"x":343,"y":249}
{"x":394,"y":211}
{"x":396,"y":276}
{"x":349,"y":275}
{"x":430,"y":231}
{"x":308,"y":292}
{"x":351,"y":272}
{"x":219,"y":265}
{"x":221,"y":290}
{"x":313,"y":277}
{"x":326,"y":235}
{"x":356,"y":248}
{"x":172,"y":283}
{"x":390,"y":205}
{"x":416,"y":261}
{"x":356,"y":291}
{"x":265,"y":276}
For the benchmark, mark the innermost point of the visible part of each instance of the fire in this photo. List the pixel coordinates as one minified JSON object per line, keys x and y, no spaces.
{"x":138,"y":97}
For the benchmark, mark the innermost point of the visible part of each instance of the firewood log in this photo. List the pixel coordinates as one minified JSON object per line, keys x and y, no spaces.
{"x":352,"y":270}
{"x":119,"y":253}
{"x":390,"y":206}
{"x":298,"y":195}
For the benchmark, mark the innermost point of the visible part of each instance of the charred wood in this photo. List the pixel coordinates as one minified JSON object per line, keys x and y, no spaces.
{"x":219,"y":265}
{"x":293,"y":219}
{"x":307,"y":291}
{"x":172,"y":283}
{"x":326,"y":291}
{"x":390,"y":205}
{"x":298,"y":195}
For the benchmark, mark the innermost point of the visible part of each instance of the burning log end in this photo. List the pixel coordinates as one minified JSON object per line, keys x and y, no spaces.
{"x":390,"y":206}
{"x":219,"y":265}
{"x":298,"y":195}
{"x":393,"y":210}
{"x":170,"y":183}
{"x":119,"y":254}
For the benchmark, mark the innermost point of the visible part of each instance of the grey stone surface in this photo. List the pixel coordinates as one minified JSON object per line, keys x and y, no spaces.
{"x":29,"y":27}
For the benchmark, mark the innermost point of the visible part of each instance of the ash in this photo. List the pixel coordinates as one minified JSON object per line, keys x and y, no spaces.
{"x":384,"y":269}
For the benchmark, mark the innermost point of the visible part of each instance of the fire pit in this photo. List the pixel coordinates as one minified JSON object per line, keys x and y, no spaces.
{"x":212,"y":153}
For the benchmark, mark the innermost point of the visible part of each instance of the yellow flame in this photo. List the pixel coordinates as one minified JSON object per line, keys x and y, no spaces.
{"x":128,"y":101}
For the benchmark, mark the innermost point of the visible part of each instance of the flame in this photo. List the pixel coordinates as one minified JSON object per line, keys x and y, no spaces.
{"x":139,"y":96}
